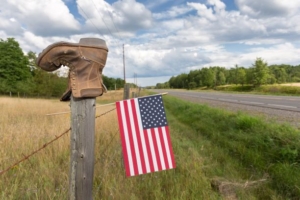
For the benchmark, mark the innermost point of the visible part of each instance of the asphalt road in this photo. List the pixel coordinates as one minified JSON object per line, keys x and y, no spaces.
{"x":277,"y":102}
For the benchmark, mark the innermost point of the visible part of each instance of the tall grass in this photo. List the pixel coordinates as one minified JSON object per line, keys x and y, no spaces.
{"x":25,"y":128}
{"x":208,"y":143}
{"x":260,"y":147}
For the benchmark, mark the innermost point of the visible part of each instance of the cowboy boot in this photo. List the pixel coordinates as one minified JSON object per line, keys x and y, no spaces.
{"x":85,"y":60}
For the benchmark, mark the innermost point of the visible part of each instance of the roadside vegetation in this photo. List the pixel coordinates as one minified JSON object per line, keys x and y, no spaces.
{"x":20,"y":77}
{"x":276,"y":89}
{"x":218,"y":154}
{"x":259,"y":78}
{"x":242,"y":147}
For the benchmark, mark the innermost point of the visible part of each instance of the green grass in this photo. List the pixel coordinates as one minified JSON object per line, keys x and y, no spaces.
{"x":264,"y":89}
{"x":209,"y":144}
{"x":260,"y":148}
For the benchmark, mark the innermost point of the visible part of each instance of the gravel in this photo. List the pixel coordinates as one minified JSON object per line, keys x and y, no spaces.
{"x":270,"y":114}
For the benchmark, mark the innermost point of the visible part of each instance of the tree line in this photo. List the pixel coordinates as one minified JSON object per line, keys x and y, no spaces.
{"x":20,"y":75}
{"x":258,"y":74}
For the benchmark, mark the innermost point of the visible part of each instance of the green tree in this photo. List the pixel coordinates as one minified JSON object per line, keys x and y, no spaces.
{"x":241,"y":76}
{"x":208,"y":77}
{"x":15,"y":73}
{"x":260,"y":72}
{"x":221,"y":79}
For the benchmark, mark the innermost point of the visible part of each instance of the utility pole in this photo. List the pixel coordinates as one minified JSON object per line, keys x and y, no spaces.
{"x":124,"y":63}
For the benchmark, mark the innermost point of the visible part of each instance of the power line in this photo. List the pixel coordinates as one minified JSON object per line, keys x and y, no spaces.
{"x":88,"y":19}
{"x":112,"y":19}
{"x":101,"y":17}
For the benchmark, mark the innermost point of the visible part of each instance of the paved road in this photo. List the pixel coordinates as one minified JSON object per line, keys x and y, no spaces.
{"x":277,"y":102}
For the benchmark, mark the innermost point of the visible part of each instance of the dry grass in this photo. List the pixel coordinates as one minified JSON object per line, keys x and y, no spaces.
{"x":290,"y":84}
{"x":25,"y":128}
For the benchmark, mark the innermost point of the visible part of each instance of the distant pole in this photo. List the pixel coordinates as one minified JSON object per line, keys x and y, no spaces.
{"x":126,"y":91}
{"x":124,"y":64}
{"x":82,"y":148}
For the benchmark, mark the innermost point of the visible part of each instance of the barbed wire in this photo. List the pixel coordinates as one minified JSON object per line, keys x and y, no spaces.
{"x":105,"y":113}
{"x":26,"y":157}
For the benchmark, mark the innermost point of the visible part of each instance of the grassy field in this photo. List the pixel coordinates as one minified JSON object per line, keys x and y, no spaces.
{"x":219,"y":155}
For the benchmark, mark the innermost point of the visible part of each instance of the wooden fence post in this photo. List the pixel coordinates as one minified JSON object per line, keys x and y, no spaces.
{"x":126,"y":91}
{"x":82,"y":148}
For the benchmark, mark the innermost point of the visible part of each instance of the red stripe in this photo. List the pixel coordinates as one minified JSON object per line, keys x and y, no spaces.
{"x":163,"y":147}
{"x":138,"y":136}
{"x":125,"y":156}
{"x":156,"y":149}
{"x":134,"y":162}
{"x":170,"y":147}
{"x":149,"y":151}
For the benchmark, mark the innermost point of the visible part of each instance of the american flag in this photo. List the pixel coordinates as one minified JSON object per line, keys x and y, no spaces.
{"x":145,"y":136}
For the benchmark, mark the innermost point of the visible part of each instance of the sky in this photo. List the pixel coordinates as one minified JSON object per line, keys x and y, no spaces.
{"x":162,"y":38}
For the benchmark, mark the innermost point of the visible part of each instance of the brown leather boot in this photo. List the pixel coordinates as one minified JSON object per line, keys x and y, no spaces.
{"x":86,"y":61}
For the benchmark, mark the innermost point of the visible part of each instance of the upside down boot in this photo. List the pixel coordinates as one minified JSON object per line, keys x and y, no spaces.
{"x":85,"y":60}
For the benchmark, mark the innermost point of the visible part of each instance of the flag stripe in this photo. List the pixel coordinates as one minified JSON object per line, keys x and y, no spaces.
{"x":167,"y":148}
{"x":134,"y":137}
{"x":156,"y":149}
{"x":146,"y":167}
{"x":124,"y":138}
{"x":170,"y":147}
{"x":149,"y":135}
{"x":137,"y":139}
{"x":150,"y":154}
{"x":130,"y":136}
{"x":163,"y":147}
{"x":160,"y":151}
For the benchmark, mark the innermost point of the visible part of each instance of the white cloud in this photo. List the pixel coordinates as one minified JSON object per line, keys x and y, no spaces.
{"x":277,"y":54}
{"x":185,"y":36}
{"x":132,"y":15}
{"x":51,"y":17}
{"x":268,"y":8}
{"x":219,"y":6}
{"x":120,"y":19}
{"x":203,"y":11}
{"x":174,"y":12}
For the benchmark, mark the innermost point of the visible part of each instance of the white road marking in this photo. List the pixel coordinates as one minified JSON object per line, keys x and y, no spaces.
{"x":227,"y":99}
{"x":252,"y":102}
{"x":281,"y":106}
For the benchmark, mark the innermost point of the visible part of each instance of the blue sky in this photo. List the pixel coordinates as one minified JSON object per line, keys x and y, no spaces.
{"x":162,"y":38}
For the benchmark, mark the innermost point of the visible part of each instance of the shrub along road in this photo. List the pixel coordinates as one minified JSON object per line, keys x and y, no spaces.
{"x":238,"y":146}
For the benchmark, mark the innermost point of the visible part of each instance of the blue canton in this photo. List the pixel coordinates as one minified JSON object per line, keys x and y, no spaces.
{"x":152,"y":112}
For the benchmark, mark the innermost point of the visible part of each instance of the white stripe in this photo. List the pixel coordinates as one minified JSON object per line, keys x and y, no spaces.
{"x":167,"y":147}
{"x":142,"y":135}
{"x":252,"y":102}
{"x":152,"y":149}
{"x":133,"y":132}
{"x":227,"y":100}
{"x":282,"y":106}
{"x":161,"y":156}
{"x":126,"y":139}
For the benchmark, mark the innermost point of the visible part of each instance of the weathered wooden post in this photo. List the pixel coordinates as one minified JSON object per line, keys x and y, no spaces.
{"x":86,"y":61}
{"x":82,"y":148}
{"x":126,"y":91}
